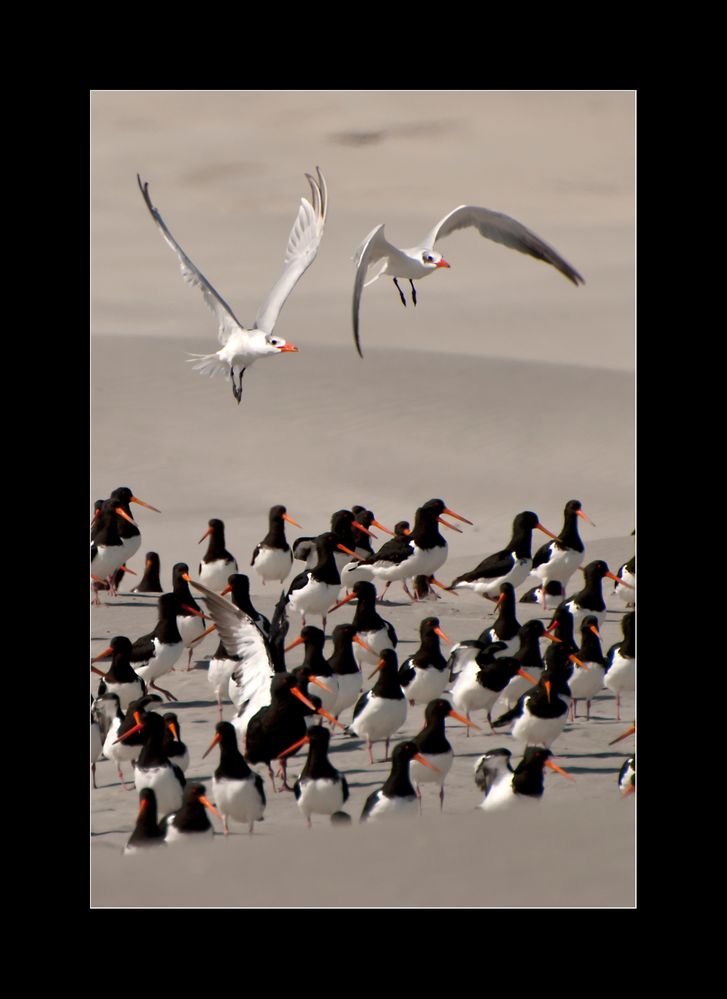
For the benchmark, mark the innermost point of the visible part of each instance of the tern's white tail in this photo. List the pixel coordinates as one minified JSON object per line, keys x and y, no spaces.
{"x":208,"y":364}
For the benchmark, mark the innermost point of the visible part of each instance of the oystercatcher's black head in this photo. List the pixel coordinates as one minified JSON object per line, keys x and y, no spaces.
{"x":365,"y":591}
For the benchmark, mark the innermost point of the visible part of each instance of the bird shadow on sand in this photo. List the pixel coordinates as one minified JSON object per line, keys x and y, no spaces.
{"x":196,"y":704}
{"x":589,"y":756}
{"x":593,"y":770}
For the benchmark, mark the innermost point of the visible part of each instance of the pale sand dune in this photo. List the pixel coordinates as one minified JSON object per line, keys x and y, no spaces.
{"x":505,"y":389}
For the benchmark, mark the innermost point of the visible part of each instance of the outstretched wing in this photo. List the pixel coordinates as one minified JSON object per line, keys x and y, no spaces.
{"x":243,"y":639}
{"x":502,"y":229}
{"x":227,"y":322}
{"x":370,"y":258}
{"x":303,"y":242}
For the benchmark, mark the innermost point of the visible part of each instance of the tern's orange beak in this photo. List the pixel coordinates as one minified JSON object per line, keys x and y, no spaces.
{"x":298,"y":641}
{"x":208,"y":804}
{"x":292,"y":749}
{"x":217,"y":739}
{"x":351,"y":596}
{"x":135,"y":499}
{"x":442,"y":263}
{"x":291,"y":521}
{"x":465,"y":721}
{"x":288,"y":348}
{"x":451,"y":513}
{"x":375,"y":523}
{"x":558,"y":770}
{"x":418,"y":756}
{"x":438,"y":631}
{"x":546,"y":531}
{"x":450,"y":526}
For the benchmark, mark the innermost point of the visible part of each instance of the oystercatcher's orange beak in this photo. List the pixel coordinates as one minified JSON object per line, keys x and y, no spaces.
{"x":360,"y":641}
{"x":360,"y":527}
{"x":319,"y":683}
{"x":450,"y":526}
{"x":580,"y":513}
{"x":291,"y":521}
{"x":135,"y":499}
{"x":125,"y":515}
{"x":205,"y":535}
{"x":465,"y":721}
{"x":102,"y":655}
{"x":351,"y":596}
{"x":375,"y":523}
{"x":173,"y":729}
{"x":620,"y":581}
{"x":342,"y":548}
{"x":298,"y":641}
{"x":438,"y":631}
{"x":292,"y":749}
{"x":217,"y":739}
{"x":451,"y":513}
{"x":624,"y":735}
{"x":208,"y":804}
{"x":420,"y":759}
{"x":527,"y":676}
{"x":545,"y":530}
{"x":205,"y":633}
{"x":558,"y":770}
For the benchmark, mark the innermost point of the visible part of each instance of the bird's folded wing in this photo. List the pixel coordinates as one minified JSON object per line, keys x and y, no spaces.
{"x":542,"y":555}
{"x":227,"y":322}
{"x":491,"y":567}
{"x":303,"y":242}
{"x":501,"y":229}
{"x":370,"y":260}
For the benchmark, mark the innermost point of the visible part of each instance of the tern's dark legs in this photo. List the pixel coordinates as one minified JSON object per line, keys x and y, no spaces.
{"x":413,"y":292}
{"x":401,"y":293}
{"x":237,"y":389}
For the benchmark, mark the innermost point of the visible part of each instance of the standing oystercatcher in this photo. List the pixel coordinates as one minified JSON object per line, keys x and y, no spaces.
{"x":558,"y":560}
{"x":381,"y":711}
{"x":238,"y":792}
{"x":511,"y":565}
{"x":506,"y":627}
{"x":391,"y":551}
{"x":155,"y":654}
{"x":150,"y":581}
{"x":621,"y":660}
{"x":590,"y":600}
{"x":530,"y":659}
{"x":107,"y":547}
{"x":397,"y":798}
{"x":129,"y":531}
{"x":314,"y":640}
{"x":375,"y":632}
{"x":625,"y":588}
{"x":320,"y":789}
{"x":432,"y":744}
{"x":217,"y":563}
{"x":190,"y":619}
{"x":153,"y":768}
{"x":424,"y":675}
{"x":189,"y":824}
{"x":147,"y":831}
{"x":272,"y":559}
{"x":586,"y":681}
{"x":121,"y":678}
{"x":344,"y":667}
{"x":314,"y":590}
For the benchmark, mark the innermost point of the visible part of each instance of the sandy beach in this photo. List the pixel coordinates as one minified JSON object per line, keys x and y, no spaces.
{"x":505,"y":389}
